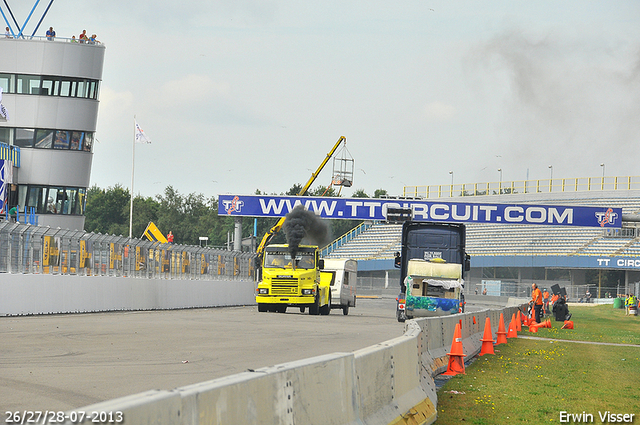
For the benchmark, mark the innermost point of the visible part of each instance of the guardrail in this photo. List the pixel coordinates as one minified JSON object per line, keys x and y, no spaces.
{"x":28,"y":249}
{"x":580,"y":184}
{"x":382,"y":384}
{"x":342,"y":240}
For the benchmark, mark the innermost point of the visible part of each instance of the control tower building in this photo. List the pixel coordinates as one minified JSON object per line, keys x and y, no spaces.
{"x":50,"y":90}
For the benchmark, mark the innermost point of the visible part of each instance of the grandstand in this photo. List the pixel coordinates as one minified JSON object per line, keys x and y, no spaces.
{"x":525,"y":247}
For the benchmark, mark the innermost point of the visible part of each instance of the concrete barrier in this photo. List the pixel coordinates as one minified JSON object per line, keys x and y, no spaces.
{"x":25,"y":294}
{"x":387,"y":383}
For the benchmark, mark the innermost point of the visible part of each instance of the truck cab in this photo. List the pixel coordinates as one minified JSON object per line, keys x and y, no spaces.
{"x":292,"y":281}
{"x":433,"y":263}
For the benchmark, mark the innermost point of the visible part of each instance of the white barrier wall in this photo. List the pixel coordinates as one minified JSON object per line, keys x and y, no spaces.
{"x":388,"y":383}
{"x":23,"y":294}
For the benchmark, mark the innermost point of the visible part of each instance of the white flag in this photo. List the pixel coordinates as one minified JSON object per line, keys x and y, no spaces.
{"x":140,"y":136}
{"x":3,"y":111}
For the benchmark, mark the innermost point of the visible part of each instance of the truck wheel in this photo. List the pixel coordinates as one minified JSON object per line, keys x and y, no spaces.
{"x":326,"y":309}
{"x":302,"y":309}
{"x":401,"y":316}
{"x":314,"y":309}
{"x":281,"y":309}
{"x":345,"y":309}
{"x":262,"y":308}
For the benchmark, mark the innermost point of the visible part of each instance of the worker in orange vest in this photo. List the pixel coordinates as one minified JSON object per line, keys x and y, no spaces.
{"x":536,"y":300}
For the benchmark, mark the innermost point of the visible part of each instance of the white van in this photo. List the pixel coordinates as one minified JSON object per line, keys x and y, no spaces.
{"x":342,"y":275}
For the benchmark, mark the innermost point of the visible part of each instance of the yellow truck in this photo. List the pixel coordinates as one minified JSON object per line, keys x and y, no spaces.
{"x":292,"y":281}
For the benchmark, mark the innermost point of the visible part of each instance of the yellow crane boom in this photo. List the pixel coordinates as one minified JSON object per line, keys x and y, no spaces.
{"x":276,"y":228}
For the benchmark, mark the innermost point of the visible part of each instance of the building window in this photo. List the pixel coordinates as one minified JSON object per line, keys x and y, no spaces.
{"x":8,"y":83}
{"x":6,"y":136}
{"x":28,"y":84}
{"x":53,"y":199}
{"x":46,"y":85}
{"x":44,"y":139}
{"x":47,"y":138}
{"x":62,"y":140}
{"x":24,"y":137}
{"x":77,"y":138}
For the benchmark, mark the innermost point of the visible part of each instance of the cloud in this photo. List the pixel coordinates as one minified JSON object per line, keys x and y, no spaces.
{"x":438,"y":111}
{"x":192,"y":89}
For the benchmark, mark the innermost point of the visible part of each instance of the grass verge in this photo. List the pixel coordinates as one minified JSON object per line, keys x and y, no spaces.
{"x":533,"y":381}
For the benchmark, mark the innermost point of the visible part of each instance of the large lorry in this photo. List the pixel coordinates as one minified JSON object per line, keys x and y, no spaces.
{"x":432,"y":267}
{"x":341,"y":275}
{"x":293,"y":281}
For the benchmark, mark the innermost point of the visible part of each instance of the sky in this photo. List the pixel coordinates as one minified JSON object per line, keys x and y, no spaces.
{"x":244,"y":95}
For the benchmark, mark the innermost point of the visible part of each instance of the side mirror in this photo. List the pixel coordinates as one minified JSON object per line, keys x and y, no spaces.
{"x":467,"y":262}
{"x":320,"y":264}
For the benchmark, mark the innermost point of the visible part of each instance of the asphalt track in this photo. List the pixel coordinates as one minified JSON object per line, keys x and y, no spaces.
{"x":61,"y":362}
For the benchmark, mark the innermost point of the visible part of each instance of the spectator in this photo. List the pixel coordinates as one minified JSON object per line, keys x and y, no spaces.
{"x":13,"y":214}
{"x":93,"y":39}
{"x":170,"y":237}
{"x":397,"y":261}
{"x":51,"y":34}
{"x":484,"y":291}
{"x":51,"y":207}
{"x":7,"y":33}
{"x":73,"y":39}
{"x":83,"y":37}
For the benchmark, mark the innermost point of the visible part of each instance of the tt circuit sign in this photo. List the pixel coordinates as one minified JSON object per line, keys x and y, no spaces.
{"x":450,"y":212}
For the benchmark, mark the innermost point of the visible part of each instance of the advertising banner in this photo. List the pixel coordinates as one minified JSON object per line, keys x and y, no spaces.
{"x":423,"y":210}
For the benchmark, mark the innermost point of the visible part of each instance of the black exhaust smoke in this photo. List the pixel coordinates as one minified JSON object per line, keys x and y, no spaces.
{"x":303,"y":226}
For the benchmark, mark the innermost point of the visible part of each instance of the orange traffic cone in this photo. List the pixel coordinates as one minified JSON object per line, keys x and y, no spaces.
{"x":512,"y":333}
{"x":518,"y":322}
{"x":487,"y":339}
{"x":502,"y":334}
{"x":546,"y":324}
{"x":568,"y":324}
{"x":456,"y":356}
{"x":525,"y":320}
{"x":533,"y":327}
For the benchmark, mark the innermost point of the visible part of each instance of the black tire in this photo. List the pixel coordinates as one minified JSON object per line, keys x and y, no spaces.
{"x":302,"y":309}
{"x":345,"y":309}
{"x":262,"y":308}
{"x":326,"y":309}
{"x":281,"y":309}
{"x":401,"y":316}
{"x":314,"y":309}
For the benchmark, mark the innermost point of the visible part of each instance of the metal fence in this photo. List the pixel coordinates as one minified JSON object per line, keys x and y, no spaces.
{"x":583,"y":184}
{"x":32,"y":249}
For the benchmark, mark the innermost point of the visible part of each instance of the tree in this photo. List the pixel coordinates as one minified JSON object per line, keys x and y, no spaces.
{"x":107,"y":210}
{"x":379,"y":193}
{"x":360,"y":193}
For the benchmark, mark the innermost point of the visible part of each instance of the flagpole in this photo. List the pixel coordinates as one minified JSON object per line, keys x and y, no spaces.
{"x":133,"y":162}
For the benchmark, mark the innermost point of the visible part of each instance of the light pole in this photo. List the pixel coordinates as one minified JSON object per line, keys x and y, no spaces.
{"x":550,"y":178}
{"x":451,"y":188}
{"x":500,"y":184}
{"x":602,"y":185}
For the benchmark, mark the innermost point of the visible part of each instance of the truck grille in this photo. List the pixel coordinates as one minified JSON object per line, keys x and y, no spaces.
{"x":285,"y":286}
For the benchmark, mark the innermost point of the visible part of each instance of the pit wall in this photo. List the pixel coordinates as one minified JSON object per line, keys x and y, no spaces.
{"x":387,"y":383}
{"x":25,"y":294}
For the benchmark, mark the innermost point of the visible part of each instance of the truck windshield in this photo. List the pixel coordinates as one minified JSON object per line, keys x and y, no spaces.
{"x":282,"y":259}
